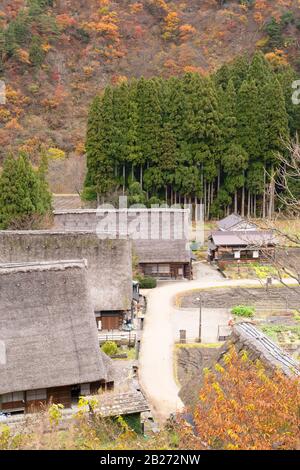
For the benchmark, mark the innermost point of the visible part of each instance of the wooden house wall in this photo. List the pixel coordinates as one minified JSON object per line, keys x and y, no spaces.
{"x":172,"y":274}
{"x":60,"y":395}
{"x":110,"y":320}
{"x":226,"y":254}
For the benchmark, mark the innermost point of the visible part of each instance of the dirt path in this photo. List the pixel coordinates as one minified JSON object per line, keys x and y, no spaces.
{"x":161,"y":330}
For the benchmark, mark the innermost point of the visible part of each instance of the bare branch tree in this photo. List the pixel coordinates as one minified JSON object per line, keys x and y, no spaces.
{"x":286,"y":263}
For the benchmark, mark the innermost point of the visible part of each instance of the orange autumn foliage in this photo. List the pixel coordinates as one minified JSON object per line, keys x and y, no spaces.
{"x":64,"y":21}
{"x":171,"y":25}
{"x":277,"y":58}
{"x":136,"y":8}
{"x":241,"y":406}
{"x":186,"y":31}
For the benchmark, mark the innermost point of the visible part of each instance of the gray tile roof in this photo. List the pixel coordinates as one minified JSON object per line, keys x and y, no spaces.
{"x":230,"y":221}
{"x":243,"y":238}
{"x":117,"y":404}
{"x":262,"y":347}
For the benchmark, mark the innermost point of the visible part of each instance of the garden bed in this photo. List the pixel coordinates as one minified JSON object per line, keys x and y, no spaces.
{"x":276,"y":300}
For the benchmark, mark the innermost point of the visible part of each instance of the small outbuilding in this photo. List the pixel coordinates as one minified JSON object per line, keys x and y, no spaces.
{"x":131,"y":405}
{"x":50,"y":350}
{"x":233,"y":246}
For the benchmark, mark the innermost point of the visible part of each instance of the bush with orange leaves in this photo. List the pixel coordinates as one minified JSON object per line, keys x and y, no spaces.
{"x":241,"y":406}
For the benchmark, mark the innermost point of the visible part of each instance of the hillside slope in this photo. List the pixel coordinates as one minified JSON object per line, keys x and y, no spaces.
{"x":56,"y":55}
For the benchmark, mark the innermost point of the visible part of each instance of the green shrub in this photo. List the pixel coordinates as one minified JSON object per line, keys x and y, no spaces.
{"x":243,"y":311}
{"x":110,"y":348}
{"x":148,"y":283}
{"x":88,"y":194}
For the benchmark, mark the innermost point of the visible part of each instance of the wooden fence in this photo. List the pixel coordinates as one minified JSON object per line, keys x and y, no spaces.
{"x":120,"y":337}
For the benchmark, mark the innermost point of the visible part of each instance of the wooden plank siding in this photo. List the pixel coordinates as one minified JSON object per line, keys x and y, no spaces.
{"x":15,"y":405}
{"x":110,"y":320}
{"x":60,"y":395}
{"x":226,"y":254}
{"x":177,"y":270}
{"x":55,"y":395}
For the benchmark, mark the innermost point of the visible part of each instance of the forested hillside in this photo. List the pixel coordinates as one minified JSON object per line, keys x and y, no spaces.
{"x":55,"y":56}
{"x":214,"y":139}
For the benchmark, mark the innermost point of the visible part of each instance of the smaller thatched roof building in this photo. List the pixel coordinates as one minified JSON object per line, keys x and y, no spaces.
{"x":48,"y":328}
{"x":160,"y":236}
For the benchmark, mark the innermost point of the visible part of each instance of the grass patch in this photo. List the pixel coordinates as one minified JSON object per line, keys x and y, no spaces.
{"x":282,"y":334}
{"x":131,"y":353}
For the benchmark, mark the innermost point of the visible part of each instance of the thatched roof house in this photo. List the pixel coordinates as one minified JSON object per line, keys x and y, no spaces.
{"x":109,"y":261}
{"x":160,"y":236}
{"x":48,"y":330}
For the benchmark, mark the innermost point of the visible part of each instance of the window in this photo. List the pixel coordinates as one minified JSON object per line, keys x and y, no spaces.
{"x":32,"y":395}
{"x":237,"y":254}
{"x":85,"y":389}
{"x":164,"y":269}
{"x":149,"y":269}
{"x":255,"y":254}
{"x":12,"y":397}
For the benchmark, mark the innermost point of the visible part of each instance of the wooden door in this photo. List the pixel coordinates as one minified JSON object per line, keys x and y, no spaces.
{"x":110,"y":323}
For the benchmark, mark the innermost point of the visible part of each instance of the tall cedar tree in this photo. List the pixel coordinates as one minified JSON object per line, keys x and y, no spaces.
{"x":24,"y":193}
{"x":212,"y":138}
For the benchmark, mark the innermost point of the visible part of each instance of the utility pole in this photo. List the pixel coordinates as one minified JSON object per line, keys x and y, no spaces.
{"x":199,"y":299}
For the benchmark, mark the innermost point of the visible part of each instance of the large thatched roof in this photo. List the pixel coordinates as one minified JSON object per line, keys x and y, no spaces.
{"x":159,"y":235}
{"x":109,"y":261}
{"x":47,"y":325}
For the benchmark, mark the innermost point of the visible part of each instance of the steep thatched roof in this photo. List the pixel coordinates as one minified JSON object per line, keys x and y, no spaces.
{"x":109,"y":261}
{"x":66,"y":201}
{"x":159,"y":235}
{"x":48,"y":327}
{"x":162,"y":251}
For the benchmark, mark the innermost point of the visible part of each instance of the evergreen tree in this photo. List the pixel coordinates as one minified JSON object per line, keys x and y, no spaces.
{"x":260,"y":70}
{"x":286,"y":76}
{"x":36,"y":53}
{"x":24,"y":195}
{"x":213,"y":138}
{"x":249,"y":120}
{"x":100,"y":176}
{"x":275,"y":123}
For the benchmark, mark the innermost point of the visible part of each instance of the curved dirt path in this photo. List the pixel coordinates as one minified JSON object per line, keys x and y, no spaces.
{"x":161,"y":329}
